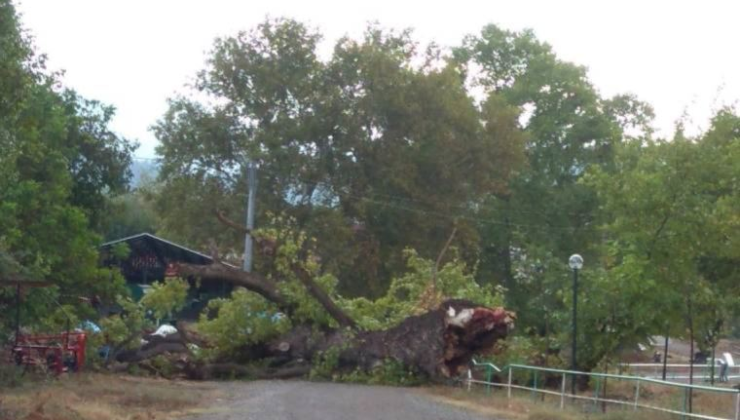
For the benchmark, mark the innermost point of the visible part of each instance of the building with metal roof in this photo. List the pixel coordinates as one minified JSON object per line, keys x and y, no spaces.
{"x":151,"y":259}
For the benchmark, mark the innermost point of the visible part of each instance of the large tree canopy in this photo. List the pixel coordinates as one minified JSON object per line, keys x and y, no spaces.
{"x":59,"y":163}
{"x":672,"y":222}
{"x":547,"y":213}
{"x":372,"y":150}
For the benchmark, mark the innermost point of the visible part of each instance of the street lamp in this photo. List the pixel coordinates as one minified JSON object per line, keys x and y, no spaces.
{"x":575,"y":262}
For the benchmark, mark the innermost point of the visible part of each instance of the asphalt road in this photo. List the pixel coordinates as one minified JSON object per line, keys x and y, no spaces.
{"x":288,"y":400}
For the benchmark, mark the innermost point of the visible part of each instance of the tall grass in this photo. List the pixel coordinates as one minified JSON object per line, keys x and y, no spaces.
{"x":97,"y":397}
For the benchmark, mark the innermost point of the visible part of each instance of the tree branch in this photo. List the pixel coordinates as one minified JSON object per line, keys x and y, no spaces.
{"x":657,"y":233}
{"x":230,"y":223}
{"x":320,"y":295}
{"x":250,"y":281}
{"x":441,"y":255}
{"x":260,"y":285}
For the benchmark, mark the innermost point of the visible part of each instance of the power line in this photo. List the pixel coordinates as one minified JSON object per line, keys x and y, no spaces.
{"x":365,"y":197}
{"x":368,"y":197}
{"x":416,"y":201}
{"x":393,"y":197}
{"x":435,"y":213}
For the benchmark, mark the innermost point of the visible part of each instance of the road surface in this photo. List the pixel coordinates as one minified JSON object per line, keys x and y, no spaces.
{"x":288,"y":400}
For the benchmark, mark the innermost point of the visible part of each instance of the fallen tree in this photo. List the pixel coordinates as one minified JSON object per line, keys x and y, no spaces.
{"x":438,"y":343}
{"x":435,"y":339}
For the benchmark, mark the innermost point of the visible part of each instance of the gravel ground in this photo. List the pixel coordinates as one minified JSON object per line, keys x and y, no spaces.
{"x":288,"y":400}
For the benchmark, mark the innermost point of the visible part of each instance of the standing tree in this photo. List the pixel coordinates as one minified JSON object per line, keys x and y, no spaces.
{"x":546,"y":214}
{"x":673,"y":227}
{"x":372,"y":151}
{"x":59,"y":163}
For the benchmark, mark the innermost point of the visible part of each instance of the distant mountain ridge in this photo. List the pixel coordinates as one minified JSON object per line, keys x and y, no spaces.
{"x":143,"y":170}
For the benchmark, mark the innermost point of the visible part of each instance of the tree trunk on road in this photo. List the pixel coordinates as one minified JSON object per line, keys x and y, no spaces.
{"x":439,"y":343}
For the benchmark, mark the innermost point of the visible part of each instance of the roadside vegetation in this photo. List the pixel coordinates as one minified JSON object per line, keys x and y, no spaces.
{"x":522,"y":406}
{"x":96,"y":396}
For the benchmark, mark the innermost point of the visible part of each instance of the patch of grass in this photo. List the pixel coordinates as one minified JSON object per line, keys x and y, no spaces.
{"x":523,"y":407}
{"x":390,"y":372}
{"x":11,"y":376}
{"x":548,"y":415}
{"x":102,"y":397}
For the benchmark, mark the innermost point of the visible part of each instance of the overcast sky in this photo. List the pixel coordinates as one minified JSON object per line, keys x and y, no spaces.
{"x":680,"y":56}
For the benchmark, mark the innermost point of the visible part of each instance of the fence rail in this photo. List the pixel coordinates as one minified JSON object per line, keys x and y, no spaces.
{"x":680,"y":371}
{"x":533,"y":374}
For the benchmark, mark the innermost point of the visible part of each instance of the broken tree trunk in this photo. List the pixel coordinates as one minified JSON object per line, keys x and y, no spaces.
{"x":439,"y":343}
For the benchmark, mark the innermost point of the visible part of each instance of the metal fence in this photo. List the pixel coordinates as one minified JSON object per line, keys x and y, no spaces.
{"x":597,"y":391}
{"x":680,"y":371}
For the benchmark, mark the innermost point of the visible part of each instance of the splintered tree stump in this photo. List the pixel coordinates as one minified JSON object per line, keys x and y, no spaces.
{"x":439,"y":343}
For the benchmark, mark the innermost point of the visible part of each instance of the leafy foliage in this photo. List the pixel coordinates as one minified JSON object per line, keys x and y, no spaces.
{"x":165,"y":298}
{"x":59,"y":164}
{"x":247,"y":318}
{"x":344,"y":146}
{"x":244,"y":318}
{"x":130,"y":214}
{"x":406,"y":293}
{"x":125,"y":328}
{"x":671,"y":233}
{"x":327,"y":364}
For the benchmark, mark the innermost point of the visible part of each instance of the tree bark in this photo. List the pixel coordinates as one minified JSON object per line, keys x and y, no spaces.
{"x":434,"y":344}
{"x":250,"y":281}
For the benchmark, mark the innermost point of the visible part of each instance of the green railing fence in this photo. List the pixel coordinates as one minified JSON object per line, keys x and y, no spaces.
{"x":627,"y":392}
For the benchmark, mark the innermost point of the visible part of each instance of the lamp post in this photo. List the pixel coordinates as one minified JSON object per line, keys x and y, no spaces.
{"x":575,"y":262}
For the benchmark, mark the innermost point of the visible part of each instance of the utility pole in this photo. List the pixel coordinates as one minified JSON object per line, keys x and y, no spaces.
{"x":252,"y":181}
{"x":575,"y":262}
{"x":573,"y":362}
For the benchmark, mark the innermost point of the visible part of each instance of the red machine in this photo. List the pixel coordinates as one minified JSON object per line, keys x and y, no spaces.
{"x":60,"y":353}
